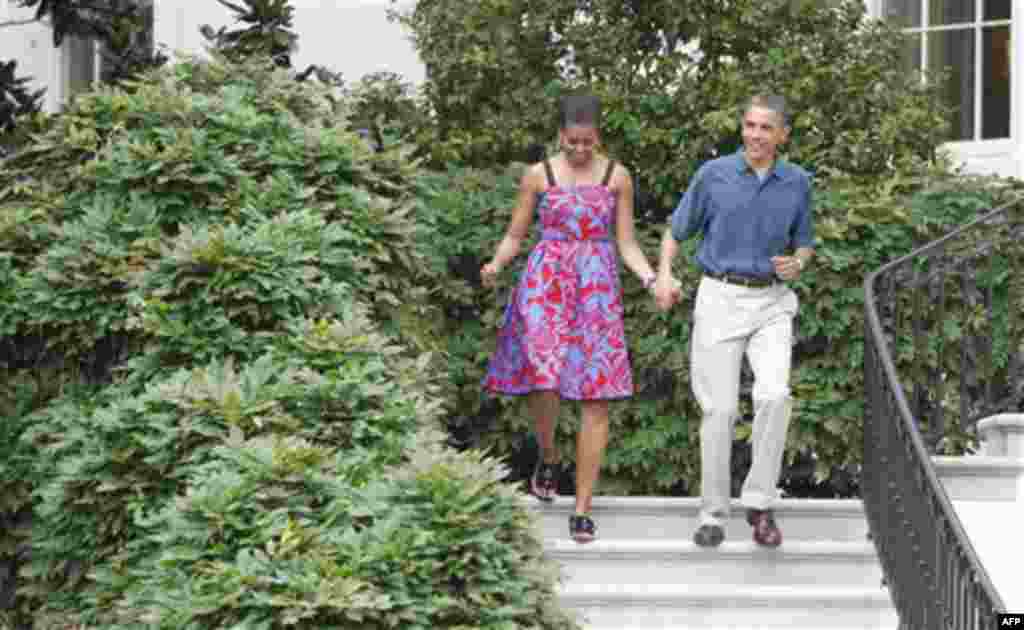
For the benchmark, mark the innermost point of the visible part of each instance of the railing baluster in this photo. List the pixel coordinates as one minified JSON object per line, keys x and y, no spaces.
{"x":920,"y":343}
{"x":986,"y":357}
{"x":965,"y":362}
{"x":937,"y":426}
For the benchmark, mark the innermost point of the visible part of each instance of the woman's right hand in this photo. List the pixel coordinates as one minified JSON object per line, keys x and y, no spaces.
{"x":489,"y":274}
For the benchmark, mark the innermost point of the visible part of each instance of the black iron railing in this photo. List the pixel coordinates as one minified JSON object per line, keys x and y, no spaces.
{"x":942,"y":351}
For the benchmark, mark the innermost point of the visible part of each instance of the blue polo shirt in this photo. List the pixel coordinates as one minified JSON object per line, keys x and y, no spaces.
{"x":745,"y":220}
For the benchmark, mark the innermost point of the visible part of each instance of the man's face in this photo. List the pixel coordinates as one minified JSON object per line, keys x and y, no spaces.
{"x":763,"y":132}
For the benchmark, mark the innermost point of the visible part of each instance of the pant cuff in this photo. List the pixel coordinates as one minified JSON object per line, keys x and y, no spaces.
{"x":716,"y":517}
{"x":757,"y":501}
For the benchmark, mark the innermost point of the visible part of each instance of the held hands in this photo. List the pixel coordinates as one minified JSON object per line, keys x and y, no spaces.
{"x":787,"y":267}
{"x":667,"y":291}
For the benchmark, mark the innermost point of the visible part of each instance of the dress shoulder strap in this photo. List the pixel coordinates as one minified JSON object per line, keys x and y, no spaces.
{"x":551,"y":174}
{"x":608,"y":173}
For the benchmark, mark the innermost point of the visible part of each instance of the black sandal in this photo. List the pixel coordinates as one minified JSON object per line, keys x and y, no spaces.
{"x":582,"y":528}
{"x":544,"y":483}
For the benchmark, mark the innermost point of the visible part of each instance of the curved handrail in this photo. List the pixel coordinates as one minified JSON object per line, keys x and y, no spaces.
{"x":935,"y":575}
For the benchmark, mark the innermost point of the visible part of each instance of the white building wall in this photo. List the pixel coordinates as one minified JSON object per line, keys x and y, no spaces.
{"x":353,"y":37}
{"x":31,"y":45}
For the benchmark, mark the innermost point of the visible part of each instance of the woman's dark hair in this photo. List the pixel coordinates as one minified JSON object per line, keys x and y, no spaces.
{"x":579,"y":109}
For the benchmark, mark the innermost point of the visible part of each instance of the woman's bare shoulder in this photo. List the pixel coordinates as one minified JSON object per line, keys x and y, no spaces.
{"x":534,"y":176}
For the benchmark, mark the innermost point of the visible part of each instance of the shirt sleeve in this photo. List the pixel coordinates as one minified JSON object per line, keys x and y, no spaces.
{"x":803,"y":226}
{"x":689,"y":214}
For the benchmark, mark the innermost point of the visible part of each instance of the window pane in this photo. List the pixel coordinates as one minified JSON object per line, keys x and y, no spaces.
{"x":81,"y":55}
{"x":904,"y":12}
{"x":997,"y":9}
{"x":953,"y":52}
{"x":911,"y":60}
{"x":995,"y":100}
{"x":950,"y":11}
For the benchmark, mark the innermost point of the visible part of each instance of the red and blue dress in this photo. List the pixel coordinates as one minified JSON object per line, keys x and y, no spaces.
{"x":563,"y":327}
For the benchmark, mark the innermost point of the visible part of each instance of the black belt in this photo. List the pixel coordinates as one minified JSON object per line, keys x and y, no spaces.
{"x":756,"y":282}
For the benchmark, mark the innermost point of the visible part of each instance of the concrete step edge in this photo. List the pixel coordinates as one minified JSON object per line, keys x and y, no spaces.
{"x":978,"y":466}
{"x":789,"y":550}
{"x":580,"y":594}
{"x":676,"y":505}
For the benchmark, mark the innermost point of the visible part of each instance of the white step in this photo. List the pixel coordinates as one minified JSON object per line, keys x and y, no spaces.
{"x":689,"y":607}
{"x":667,"y":518}
{"x":621,"y":562}
{"x":981,"y":477}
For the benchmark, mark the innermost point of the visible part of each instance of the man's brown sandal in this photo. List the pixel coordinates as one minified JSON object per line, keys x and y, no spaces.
{"x":766,"y":532}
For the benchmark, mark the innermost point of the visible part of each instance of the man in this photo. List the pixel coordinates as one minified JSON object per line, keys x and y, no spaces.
{"x":751,"y":207}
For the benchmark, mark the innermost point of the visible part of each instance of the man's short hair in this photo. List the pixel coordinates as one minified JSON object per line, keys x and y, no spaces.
{"x":774,"y":102}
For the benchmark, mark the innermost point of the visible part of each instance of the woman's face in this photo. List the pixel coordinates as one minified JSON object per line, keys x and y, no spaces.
{"x":579,"y":143}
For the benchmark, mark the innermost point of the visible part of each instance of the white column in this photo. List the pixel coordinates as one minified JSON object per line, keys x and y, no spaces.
{"x":1017,"y":85}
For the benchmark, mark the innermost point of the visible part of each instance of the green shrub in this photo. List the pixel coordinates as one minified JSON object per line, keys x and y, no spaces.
{"x":227,"y":290}
{"x":266,"y":285}
{"x":669,"y":105}
{"x":280,"y":534}
{"x":16,"y":99}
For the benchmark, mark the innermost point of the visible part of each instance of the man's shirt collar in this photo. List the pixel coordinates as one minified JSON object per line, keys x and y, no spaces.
{"x":778,"y":168}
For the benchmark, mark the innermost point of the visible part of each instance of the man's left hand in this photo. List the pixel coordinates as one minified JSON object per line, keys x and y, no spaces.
{"x":787,"y":267}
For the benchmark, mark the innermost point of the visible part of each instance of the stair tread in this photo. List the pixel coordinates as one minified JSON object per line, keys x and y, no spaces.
{"x":676,"y":504}
{"x":996,"y":462}
{"x":682,"y":592}
{"x":792,"y":549}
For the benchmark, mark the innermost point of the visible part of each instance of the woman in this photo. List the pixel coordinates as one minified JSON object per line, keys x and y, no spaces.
{"x":562,"y":335}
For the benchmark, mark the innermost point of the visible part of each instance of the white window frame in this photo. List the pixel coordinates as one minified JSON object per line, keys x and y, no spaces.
{"x":977,"y":26}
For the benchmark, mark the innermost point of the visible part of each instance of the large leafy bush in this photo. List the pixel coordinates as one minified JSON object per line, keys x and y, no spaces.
{"x":672,"y":77}
{"x":215,"y":337}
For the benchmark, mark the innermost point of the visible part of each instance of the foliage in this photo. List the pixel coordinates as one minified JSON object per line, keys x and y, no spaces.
{"x":84,"y":19}
{"x":16,"y":98}
{"x":104,"y":254}
{"x":387,"y":108}
{"x":672,"y":77}
{"x":949,"y":316}
{"x":276,"y":534}
{"x":214,"y":291}
{"x":120,"y":26}
{"x":267,"y":34}
{"x":128,"y":48}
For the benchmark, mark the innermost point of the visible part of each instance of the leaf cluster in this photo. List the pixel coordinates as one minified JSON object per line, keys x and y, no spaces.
{"x":214,"y":336}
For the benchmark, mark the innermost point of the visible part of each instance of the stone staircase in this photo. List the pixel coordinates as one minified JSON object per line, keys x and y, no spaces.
{"x":644,"y":571}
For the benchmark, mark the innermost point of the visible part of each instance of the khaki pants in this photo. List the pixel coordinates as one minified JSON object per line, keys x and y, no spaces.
{"x":730,"y":320}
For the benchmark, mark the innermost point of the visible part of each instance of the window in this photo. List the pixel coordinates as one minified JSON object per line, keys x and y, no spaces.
{"x":81,"y":64}
{"x":970,"y":39}
{"x":85,"y":62}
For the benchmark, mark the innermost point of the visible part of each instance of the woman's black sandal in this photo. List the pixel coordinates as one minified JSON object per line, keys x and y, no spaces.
{"x":582,"y":528}
{"x":544,"y":483}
